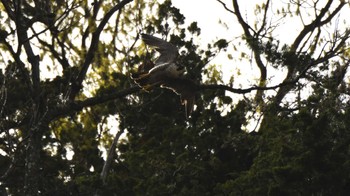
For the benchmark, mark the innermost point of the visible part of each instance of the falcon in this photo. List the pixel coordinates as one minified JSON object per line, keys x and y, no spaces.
{"x":166,"y":73}
{"x":164,"y":67}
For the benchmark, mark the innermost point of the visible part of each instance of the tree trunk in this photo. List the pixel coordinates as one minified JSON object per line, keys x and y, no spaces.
{"x":33,"y":167}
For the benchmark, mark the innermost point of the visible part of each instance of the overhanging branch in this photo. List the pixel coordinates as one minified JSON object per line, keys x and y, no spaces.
{"x":76,"y":86}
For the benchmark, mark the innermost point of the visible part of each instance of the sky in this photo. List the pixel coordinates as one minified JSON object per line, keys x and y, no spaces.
{"x":208,"y":13}
{"x":215,"y":23}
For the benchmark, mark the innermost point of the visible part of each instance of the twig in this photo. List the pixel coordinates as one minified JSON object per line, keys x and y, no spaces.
{"x":225,"y":6}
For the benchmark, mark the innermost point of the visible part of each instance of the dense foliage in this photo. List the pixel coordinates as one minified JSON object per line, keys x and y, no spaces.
{"x":74,"y":123}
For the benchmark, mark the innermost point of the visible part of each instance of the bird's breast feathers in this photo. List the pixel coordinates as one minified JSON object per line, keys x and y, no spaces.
{"x":168,"y":69}
{"x":175,"y":71}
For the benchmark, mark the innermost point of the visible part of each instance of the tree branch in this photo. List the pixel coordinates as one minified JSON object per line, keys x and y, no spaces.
{"x":10,"y":13}
{"x":77,"y":85}
{"x":226,"y":8}
{"x":110,"y":157}
{"x":254,"y":44}
{"x":316,"y":23}
{"x":104,"y":98}
{"x":265,"y":17}
{"x":75,"y":106}
{"x":60,"y":57}
{"x":241,"y":21}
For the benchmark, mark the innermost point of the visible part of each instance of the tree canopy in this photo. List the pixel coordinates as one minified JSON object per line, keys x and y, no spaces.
{"x":74,"y":123}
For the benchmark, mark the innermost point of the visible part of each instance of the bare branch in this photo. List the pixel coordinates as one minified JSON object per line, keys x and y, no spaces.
{"x":241,"y":21}
{"x":247,"y":90}
{"x":76,"y":86}
{"x":76,"y":106}
{"x":104,"y":98}
{"x":317,"y":23}
{"x":225,"y":6}
{"x":60,"y":57}
{"x":253,"y":42}
{"x":265,"y":17}
{"x":110,"y":156}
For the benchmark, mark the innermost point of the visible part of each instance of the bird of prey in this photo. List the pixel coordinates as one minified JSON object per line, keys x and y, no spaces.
{"x":166,"y":73}
{"x":164,"y":67}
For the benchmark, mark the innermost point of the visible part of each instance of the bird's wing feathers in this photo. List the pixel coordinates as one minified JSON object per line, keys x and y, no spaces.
{"x":151,"y":76}
{"x":168,"y":52}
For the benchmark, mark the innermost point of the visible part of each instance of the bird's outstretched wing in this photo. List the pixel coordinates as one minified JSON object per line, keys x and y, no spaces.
{"x":168,"y":52}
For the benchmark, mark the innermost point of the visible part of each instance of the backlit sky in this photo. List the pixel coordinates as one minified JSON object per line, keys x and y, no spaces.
{"x":208,"y":13}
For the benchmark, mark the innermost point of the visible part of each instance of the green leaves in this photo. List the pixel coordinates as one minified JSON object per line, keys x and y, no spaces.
{"x":221,"y":44}
{"x":194,"y":29}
